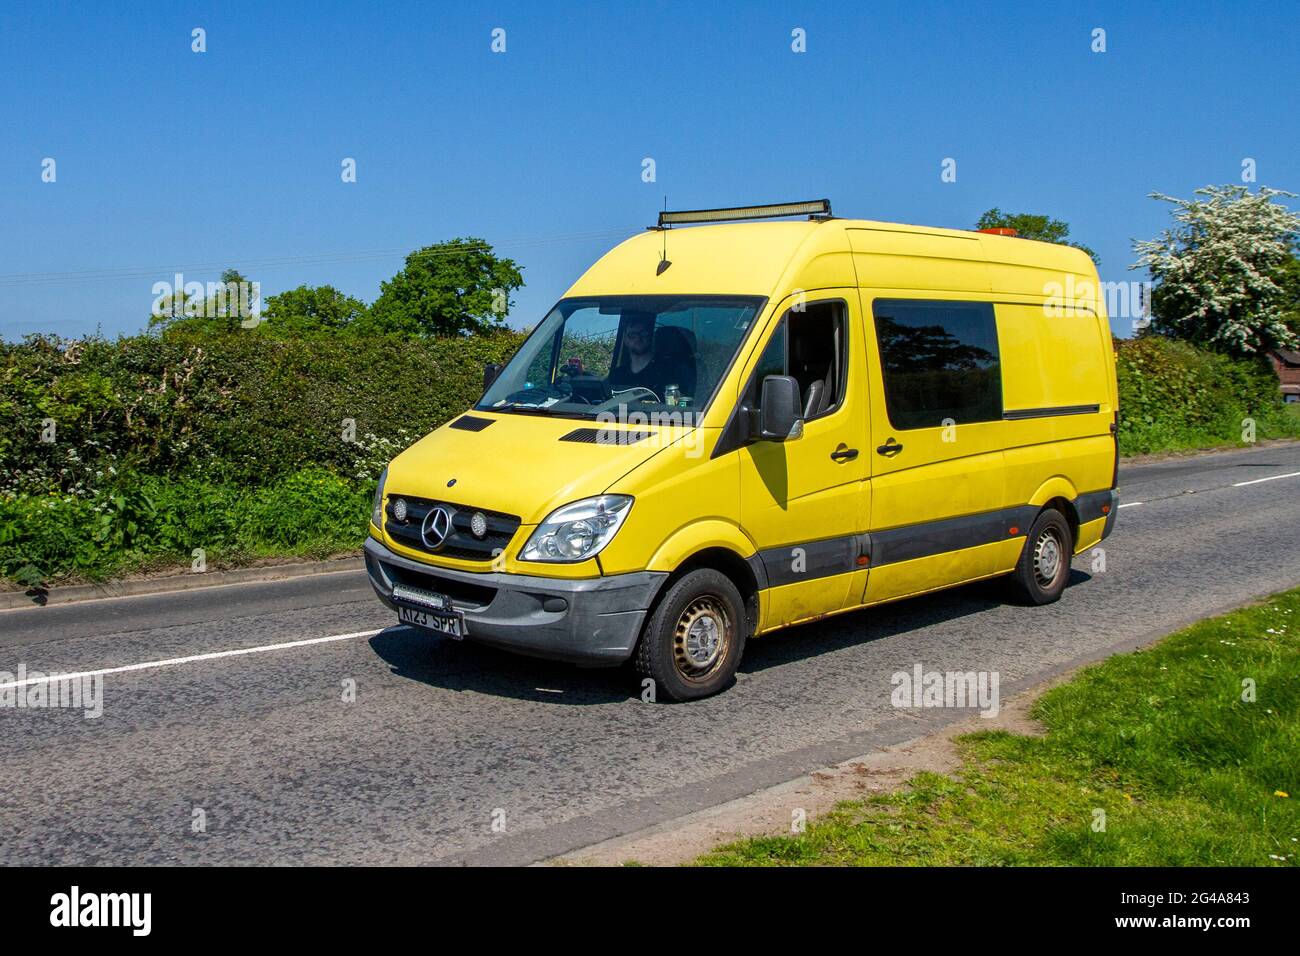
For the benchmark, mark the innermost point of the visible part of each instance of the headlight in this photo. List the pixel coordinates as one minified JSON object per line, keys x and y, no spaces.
{"x":577,"y":531}
{"x":377,"y":508}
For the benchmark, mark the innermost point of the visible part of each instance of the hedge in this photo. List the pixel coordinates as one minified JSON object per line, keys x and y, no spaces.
{"x":230,"y":408}
{"x":1173,"y":395}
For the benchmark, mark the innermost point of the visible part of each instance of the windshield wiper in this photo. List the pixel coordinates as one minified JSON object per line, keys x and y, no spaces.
{"x":543,"y":410}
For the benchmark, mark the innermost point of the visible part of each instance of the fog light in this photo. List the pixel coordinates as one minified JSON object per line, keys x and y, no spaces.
{"x":478,"y":524}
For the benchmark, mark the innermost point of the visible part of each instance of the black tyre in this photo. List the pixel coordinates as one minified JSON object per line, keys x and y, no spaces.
{"x":692,"y":642}
{"x":1044,"y":565}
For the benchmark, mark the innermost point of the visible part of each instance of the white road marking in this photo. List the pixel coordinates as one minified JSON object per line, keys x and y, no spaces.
{"x":193,"y":658}
{"x":1132,"y":504}
{"x":1290,"y":474}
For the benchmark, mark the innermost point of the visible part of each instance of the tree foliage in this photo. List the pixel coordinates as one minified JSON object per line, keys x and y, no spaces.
{"x":451,"y":288}
{"x":1031,"y":226}
{"x":308,"y":309}
{"x":222,"y":312}
{"x":1225,"y":270}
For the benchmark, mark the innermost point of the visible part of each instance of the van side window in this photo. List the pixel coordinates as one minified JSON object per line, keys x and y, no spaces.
{"x":939,"y":361}
{"x":809,"y":346}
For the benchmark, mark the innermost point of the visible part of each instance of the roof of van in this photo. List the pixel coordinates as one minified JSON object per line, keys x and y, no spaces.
{"x":753,"y":258}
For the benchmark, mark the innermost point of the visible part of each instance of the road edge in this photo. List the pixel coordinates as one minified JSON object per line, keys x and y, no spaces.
{"x":15,"y":600}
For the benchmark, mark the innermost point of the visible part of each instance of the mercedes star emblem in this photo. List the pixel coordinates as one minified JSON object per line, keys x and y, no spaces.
{"x":436,"y":527}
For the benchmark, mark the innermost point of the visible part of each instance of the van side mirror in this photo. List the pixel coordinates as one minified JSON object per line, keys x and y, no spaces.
{"x":779,"y":418}
{"x":490,"y":372}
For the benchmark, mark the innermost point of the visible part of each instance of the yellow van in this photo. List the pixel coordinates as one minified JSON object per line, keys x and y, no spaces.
{"x":723,"y":430}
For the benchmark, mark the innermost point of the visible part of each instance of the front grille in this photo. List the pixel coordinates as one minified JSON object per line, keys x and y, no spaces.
{"x":460,"y":542}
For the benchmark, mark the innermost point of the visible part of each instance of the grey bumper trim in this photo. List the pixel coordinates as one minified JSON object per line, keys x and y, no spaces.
{"x":591,"y":621}
{"x":1111,"y":515}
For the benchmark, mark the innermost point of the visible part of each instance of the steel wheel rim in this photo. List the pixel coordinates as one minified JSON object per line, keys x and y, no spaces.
{"x":702,"y":638}
{"x":1048,"y":557}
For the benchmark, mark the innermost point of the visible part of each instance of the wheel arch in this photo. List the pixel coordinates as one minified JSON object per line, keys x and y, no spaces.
{"x":1059,"y":493}
{"x":710,"y":544}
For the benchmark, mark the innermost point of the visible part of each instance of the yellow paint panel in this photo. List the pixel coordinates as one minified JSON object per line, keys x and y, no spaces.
{"x":1008,"y":553}
{"x":732,"y":259}
{"x":1087,"y":464}
{"x":1089,"y":535}
{"x":943,"y":489}
{"x":684,"y":502}
{"x":908,"y":260}
{"x":891,"y":581}
{"x":1051,"y":360}
{"x":803,"y":600}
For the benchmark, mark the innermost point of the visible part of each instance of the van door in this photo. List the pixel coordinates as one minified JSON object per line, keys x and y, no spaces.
{"x":937,"y":466}
{"x":804,"y":501}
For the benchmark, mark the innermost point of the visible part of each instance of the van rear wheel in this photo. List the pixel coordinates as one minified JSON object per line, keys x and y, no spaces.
{"x":1044,"y":565}
{"x":693,"y":640}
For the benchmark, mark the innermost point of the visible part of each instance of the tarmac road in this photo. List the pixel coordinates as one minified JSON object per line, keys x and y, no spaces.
{"x":446,"y":738}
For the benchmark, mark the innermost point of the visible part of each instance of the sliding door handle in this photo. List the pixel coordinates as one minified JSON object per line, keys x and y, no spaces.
{"x":889,"y":449}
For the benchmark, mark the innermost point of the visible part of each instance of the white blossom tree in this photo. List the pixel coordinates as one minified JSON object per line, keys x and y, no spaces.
{"x":1220,"y":271}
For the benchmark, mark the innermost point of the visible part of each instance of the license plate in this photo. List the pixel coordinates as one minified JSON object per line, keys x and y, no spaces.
{"x":451,"y":624}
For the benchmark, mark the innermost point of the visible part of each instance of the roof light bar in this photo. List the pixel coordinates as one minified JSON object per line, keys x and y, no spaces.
{"x":816,"y":207}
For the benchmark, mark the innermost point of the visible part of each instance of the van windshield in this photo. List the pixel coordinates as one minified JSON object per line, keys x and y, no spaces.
{"x":660,"y":355}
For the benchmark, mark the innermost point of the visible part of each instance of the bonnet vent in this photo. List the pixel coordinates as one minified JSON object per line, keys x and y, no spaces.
{"x":605,"y":436}
{"x":469,"y":423}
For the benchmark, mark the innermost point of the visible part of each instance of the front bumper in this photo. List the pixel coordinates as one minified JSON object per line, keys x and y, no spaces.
{"x":588,"y":621}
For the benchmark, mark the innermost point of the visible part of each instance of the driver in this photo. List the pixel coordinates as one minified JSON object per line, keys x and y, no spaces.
{"x":638,"y":365}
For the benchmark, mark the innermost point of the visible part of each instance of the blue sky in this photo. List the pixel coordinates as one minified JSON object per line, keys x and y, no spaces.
{"x":168,"y":158}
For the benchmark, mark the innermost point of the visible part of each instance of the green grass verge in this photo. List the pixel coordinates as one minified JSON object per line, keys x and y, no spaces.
{"x":1160,"y":741}
{"x":149,"y":522}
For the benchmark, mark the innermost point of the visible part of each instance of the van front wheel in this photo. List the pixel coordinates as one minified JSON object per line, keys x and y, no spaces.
{"x":1044,"y":565}
{"x":693,"y":640}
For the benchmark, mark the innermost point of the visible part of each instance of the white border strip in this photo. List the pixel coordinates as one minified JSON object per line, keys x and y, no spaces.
{"x":194,"y":658}
{"x":1290,"y":474}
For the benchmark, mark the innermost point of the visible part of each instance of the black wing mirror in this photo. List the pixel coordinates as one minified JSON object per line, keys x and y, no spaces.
{"x":779,"y":412}
{"x":490,"y":372}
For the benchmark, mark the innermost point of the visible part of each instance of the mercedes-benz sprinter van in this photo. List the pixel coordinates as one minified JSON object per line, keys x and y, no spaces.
{"x":724,"y":430}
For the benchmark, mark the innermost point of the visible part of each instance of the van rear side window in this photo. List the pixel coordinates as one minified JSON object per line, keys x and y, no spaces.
{"x":939,"y":361}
